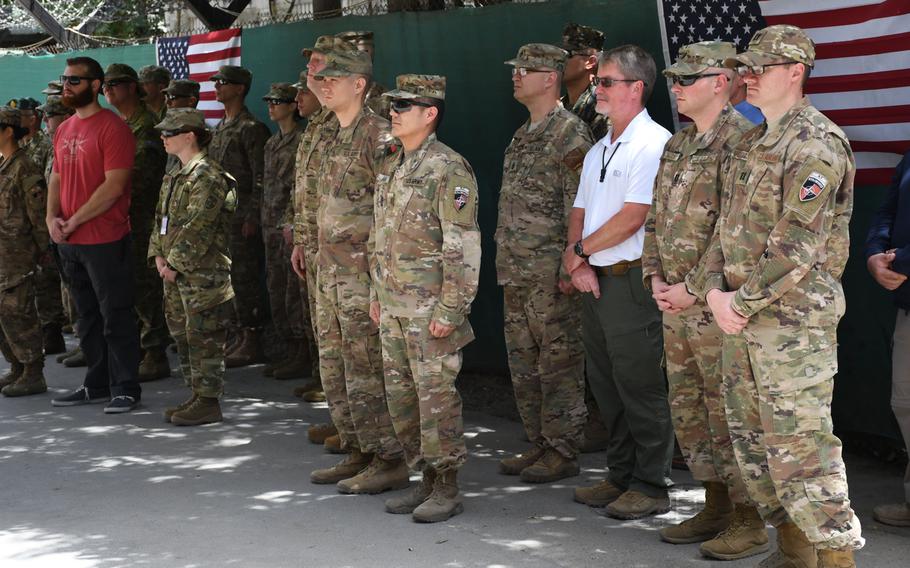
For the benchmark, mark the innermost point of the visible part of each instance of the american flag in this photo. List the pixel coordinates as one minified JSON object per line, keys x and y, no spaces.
{"x":198,"y":57}
{"x":861,"y":78}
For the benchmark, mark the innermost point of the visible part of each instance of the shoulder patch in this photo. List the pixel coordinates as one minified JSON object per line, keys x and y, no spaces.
{"x":461,"y":196}
{"x":813,"y":186}
{"x":807,"y":192}
{"x":574,"y":159}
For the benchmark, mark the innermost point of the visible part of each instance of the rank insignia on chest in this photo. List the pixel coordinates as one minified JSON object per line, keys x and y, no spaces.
{"x":461,"y":197}
{"x":812,"y":187}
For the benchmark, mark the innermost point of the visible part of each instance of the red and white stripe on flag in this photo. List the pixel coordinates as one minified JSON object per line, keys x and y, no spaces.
{"x":205,"y":54}
{"x":861,"y":78}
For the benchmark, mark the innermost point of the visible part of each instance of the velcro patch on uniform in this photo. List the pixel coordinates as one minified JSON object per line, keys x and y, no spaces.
{"x":808,"y":190}
{"x":461,"y":197}
{"x":574,"y":159}
{"x":813,"y":186}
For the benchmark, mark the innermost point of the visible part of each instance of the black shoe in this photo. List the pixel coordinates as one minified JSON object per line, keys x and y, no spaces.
{"x":120,"y":404}
{"x":53,"y":340}
{"x":78,"y":397}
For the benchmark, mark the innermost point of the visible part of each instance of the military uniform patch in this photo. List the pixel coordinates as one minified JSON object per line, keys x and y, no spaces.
{"x":812,"y":187}
{"x":461,"y":197}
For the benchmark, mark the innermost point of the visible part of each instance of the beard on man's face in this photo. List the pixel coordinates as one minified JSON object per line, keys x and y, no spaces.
{"x":78,"y":100}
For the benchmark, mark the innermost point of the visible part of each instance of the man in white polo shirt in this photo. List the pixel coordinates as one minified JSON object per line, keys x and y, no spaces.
{"x":621,"y":325}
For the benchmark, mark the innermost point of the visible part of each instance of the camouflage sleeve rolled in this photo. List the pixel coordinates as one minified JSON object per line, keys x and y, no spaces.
{"x":203,"y":212}
{"x":457,"y":208}
{"x":799,"y":238}
{"x":576,"y":143}
{"x":254,"y":142}
{"x":35,"y":194}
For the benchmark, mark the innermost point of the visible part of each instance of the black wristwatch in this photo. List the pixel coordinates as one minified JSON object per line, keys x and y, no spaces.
{"x":580,"y":250}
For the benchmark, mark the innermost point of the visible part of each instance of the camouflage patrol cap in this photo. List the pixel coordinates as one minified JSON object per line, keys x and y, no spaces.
{"x":301,"y":82}
{"x":53,"y":88}
{"x":182,"y":120}
{"x":346,"y":61}
{"x":182,"y":88}
{"x":361,"y":40}
{"x":284,"y":92}
{"x":696,"y":57}
{"x":540,"y":55}
{"x":323,"y":45}
{"x":776,"y":43}
{"x":55,"y":107}
{"x":25,"y":103}
{"x":418,"y":86}
{"x":10,"y":116}
{"x":120,"y":72}
{"x":576,"y":37}
{"x":233,"y":74}
{"x":154,"y":74}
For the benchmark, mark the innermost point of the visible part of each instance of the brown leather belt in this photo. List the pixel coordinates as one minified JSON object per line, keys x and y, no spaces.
{"x":617,"y":269}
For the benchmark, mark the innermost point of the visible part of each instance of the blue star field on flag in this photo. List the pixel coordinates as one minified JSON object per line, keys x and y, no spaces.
{"x":689,"y":21}
{"x":172,"y":56}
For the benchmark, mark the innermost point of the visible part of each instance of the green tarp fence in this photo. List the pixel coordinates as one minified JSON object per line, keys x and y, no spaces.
{"x":469,"y":46}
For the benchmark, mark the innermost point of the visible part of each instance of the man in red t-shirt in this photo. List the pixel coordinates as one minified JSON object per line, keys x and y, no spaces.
{"x":88,"y":219}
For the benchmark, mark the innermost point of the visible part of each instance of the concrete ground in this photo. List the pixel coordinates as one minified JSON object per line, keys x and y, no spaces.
{"x":81,"y":489}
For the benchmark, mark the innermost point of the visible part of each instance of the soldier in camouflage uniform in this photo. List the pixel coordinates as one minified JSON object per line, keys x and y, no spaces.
{"x":54,"y":88}
{"x":154,"y":79}
{"x":238,"y":145}
{"x":363,"y":41}
{"x":583,"y":45}
{"x":190,"y":251}
{"x":542,"y":312}
{"x":677,"y":233}
{"x":772,"y":277}
{"x":23,"y":245}
{"x":122,"y":91}
{"x":180,"y":93}
{"x":281,"y":281}
{"x":39,"y":148}
{"x":350,"y":356}
{"x":427,"y":262}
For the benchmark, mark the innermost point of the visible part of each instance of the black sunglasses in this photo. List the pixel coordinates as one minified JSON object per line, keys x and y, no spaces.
{"x":171,"y":97}
{"x":607,"y":82}
{"x":75,"y":79}
{"x":404,"y":105}
{"x":689,"y":80}
{"x":275,"y":102}
{"x":222,"y":82}
{"x":112,"y":84}
{"x":172,"y":133}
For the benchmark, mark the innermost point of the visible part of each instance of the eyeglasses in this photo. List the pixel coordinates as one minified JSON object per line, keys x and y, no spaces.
{"x":523,"y":71}
{"x":404,"y":105}
{"x":222,"y":82}
{"x":171,"y":97}
{"x":112,"y":84}
{"x":759,"y":69}
{"x":607,"y":82}
{"x":276,"y":102}
{"x":171,"y":133}
{"x":75,"y":79}
{"x":689,"y":80}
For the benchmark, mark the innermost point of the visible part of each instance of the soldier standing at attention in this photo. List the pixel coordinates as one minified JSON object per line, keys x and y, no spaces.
{"x":363,"y":41}
{"x":180,"y":93}
{"x":350,"y":355}
{"x":427,"y":251}
{"x":677,"y":233}
{"x":277,"y":187}
{"x":154,"y":79}
{"x":542,"y":311}
{"x":122,"y":91}
{"x":23,"y":246}
{"x":238,"y":145}
{"x":189,"y":248}
{"x":773,"y":285}
{"x":583,"y":45}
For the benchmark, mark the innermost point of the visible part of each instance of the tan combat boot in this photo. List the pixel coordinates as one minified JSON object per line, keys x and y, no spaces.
{"x":31,"y":381}
{"x":154,"y":366}
{"x":77,"y":359}
{"x":599,"y":495}
{"x":552,"y":466}
{"x":894,"y":514}
{"x":315,"y":395}
{"x":515,"y":464}
{"x":333,"y":445}
{"x":412,"y":499}
{"x":63,"y":356}
{"x":443,"y":502}
{"x":710,"y":521}
{"x":350,"y":466}
{"x":169,"y":412}
{"x":836,"y":559}
{"x":317,"y":433}
{"x":15,"y":371}
{"x":636,"y":505}
{"x":381,"y":475}
{"x":793,"y":550}
{"x":203,"y":410}
{"x":310,"y":385}
{"x":745,"y":536}
{"x":296,"y":367}
{"x":248,"y":352}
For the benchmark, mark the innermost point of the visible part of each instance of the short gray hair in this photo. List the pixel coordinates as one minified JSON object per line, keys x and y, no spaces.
{"x":634,"y":63}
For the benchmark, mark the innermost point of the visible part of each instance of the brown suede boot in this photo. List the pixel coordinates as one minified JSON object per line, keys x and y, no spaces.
{"x":710,"y":521}
{"x":406,"y":504}
{"x":169,"y":412}
{"x":552,"y":466}
{"x":515,"y":464}
{"x":317,"y":433}
{"x":793,"y":550}
{"x":745,"y":536}
{"x":249,"y":352}
{"x":154,"y":366}
{"x":836,"y":559}
{"x":443,"y":502}
{"x":351,"y":465}
{"x":333,"y":445}
{"x":31,"y":381}
{"x":203,"y":410}
{"x":599,"y":495}
{"x":381,"y":475}
{"x":15,"y":371}
{"x":311,"y":385}
{"x":315,"y":395}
